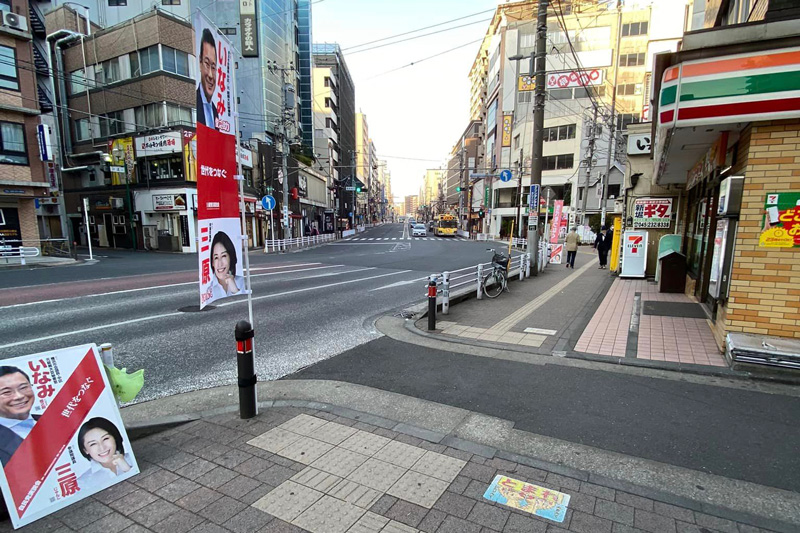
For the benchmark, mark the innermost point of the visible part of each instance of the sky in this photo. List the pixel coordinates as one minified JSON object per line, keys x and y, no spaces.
{"x":418,"y":112}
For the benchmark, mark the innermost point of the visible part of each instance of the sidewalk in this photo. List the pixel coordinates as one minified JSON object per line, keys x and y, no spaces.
{"x":307,"y":463}
{"x":586,"y":312}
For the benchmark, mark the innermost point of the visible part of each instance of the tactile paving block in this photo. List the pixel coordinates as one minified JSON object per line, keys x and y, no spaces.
{"x":274,"y":440}
{"x":306,"y":450}
{"x":303,"y":424}
{"x":316,"y":479}
{"x":439,"y":466}
{"x":400,"y":454}
{"x":377,"y":474}
{"x":355,"y":493}
{"x":340,"y":461}
{"x":369,"y":523}
{"x":364,"y":443}
{"x":288,"y":500}
{"x":333,"y":433}
{"x":329,"y":515}
{"x":418,"y":488}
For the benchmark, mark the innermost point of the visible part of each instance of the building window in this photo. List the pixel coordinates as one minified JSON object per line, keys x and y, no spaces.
{"x":327,"y":102}
{"x":82,"y":129}
{"x":145,"y":61}
{"x":177,"y":115}
{"x":634,"y":28}
{"x":327,"y":81}
{"x":77,"y":82}
{"x":175,"y":61}
{"x":12,"y":144}
{"x":559,"y":133}
{"x":558,"y":162}
{"x":165,"y":168}
{"x":107,"y":72}
{"x":623,"y":119}
{"x":613,"y":191}
{"x":149,"y":116}
{"x":525,"y":97}
{"x":9,"y":79}
{"x":117,"y":3}
{"x":174,"y":3}
{"x":112,"y":124}
{"x":516,"y":142}
{"x":627,"y":89}
{"x":632,"y":60}
{"x":225,"y":31}
{"x":559,"y":94}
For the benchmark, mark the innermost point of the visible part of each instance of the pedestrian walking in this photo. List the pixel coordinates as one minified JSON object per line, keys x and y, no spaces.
{"x":571,"y":246}
{"x":603,"y":244}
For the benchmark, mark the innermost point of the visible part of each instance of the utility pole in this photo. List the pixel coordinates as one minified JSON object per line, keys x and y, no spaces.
{"x":612,"y":123}
{"x":353,"y":184}
{"x":519,"y":194}
{"x":461,"y":186}
{"x":591,"y":131}
{"x":287,"y":116}
{"x":540,"y":55}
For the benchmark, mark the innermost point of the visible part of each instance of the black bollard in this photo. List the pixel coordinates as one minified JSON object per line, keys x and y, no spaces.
{"x":246,"y":369}
{"x":432,"y":304}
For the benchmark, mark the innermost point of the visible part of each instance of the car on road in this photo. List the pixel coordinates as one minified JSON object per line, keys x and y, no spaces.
{"x":419,"y":231}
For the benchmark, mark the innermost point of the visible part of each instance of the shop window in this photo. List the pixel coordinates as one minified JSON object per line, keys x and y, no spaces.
{"x":12,"y":144}
{"x":165,"y":168}
{"x":9,"y":78}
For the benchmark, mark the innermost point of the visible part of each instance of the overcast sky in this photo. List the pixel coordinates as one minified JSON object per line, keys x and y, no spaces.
{"x":420,"y":111}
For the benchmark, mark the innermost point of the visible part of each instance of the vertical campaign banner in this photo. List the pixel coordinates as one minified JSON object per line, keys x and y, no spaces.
{"x":219,"y":225}
{"x":61,"y":433}
{"x":555,"y":227}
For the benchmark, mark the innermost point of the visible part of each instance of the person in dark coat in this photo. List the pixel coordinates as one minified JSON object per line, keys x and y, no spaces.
{"x":602,"y":244}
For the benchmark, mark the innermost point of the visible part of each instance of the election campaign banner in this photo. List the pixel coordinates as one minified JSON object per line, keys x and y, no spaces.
{"x":219,"y":226}
{"x":61,"y":433}
{"x":555,"y":227}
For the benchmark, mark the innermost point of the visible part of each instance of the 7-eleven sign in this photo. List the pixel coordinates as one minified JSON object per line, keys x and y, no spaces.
{"x":634,"y":254}
{"x":635,"y":244}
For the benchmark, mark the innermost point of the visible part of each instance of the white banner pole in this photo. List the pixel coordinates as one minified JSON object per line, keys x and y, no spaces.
{"x":241,"y":196}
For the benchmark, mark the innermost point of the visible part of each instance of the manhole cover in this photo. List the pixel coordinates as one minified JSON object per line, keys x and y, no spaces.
{"x":195,"y":308}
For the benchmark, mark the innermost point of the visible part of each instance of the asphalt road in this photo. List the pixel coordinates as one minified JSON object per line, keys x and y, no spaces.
{"x":729,"y":432}
{"x":308,"y":306}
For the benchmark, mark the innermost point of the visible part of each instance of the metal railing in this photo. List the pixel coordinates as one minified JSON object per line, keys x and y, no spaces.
{"x":282,"y":245}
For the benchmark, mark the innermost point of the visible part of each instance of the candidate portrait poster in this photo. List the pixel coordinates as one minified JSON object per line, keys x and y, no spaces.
{"x":220,"y":254}
{"x":61,"y":433}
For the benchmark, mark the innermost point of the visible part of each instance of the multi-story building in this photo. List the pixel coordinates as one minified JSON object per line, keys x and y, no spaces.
{"x":411,"y":205}
{"x":128,"y":135}
{"x":431,"y":186}
{"x":726,"y":124}
{"x":22,"y":168}
{"x":583,"y":65}
{"x":457,"y":182}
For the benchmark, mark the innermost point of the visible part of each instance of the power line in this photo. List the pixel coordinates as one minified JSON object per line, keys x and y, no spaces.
{"x":418,"y":37}
{"x":413,"y":63}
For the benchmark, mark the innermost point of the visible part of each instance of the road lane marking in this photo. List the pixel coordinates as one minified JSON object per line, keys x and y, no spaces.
{"x":398,"y":284}
{"x":139,"y":289}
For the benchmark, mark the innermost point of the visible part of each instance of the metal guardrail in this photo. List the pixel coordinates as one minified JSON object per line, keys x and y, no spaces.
{"x":281,"y":245}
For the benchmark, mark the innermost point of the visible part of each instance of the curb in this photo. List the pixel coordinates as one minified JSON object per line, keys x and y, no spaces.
{"x":460,"y":424}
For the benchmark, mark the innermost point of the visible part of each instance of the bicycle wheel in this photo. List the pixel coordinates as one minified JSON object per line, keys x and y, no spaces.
{"x":493,"y":285}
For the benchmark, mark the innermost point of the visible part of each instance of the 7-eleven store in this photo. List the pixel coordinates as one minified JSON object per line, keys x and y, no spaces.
{"x":726,"y":119}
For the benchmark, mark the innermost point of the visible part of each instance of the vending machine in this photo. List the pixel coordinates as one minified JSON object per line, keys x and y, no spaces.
{"x":729,"y":204}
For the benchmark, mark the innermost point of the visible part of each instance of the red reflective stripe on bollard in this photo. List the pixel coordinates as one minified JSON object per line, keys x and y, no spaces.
{"x":431,"y":291}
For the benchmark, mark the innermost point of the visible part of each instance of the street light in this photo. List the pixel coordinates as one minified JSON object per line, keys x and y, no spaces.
{"x":119,"y":153}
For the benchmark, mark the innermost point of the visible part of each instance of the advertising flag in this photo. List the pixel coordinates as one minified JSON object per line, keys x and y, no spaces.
{"x":220,"y":233}
{"x":61,"y":433}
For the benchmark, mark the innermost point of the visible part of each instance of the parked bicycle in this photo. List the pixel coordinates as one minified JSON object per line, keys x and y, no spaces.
{"x":496,"y":281}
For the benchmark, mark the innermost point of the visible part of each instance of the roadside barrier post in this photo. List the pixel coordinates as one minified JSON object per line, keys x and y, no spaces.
{"x":246,"y":369}
{"x":445,"y":293}
{"x":480,"y":277}
{"x":528,"y":265}
{"x":432,"y":303}
{"x":522,"y":267}
{"x":107,"y":354}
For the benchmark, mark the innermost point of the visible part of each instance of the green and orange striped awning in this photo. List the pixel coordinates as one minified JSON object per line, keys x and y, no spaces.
{"x":731,"y":89}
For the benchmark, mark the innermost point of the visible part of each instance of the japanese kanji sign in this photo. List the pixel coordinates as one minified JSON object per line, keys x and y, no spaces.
{"x":220,"y":255}
{"x":652,"y":213}
{"x":781,"y":224}
{"x":61,"y":433}
{"x":249,"y":27}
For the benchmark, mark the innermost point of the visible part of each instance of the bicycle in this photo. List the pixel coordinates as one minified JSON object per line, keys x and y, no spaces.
{"x":496,"y":281}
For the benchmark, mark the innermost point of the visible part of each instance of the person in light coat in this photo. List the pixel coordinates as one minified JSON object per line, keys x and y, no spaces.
{"x":571,"y":245}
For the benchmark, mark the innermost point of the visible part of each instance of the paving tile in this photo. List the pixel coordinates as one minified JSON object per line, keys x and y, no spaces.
{"x":355,"y":493}
{"x":222,"y":510}
{"x":253,"y":466}
{"x":614,"y":511}
{"x":586,"y":523}
{"x":288,"y":500}
{"x":333,"y":433}
{"x":275,"y":475}
{"x":376,"y":474}
{"x":115,"y":492}
{"x":131,"y":502}
{"x":209,"y":527}
{"x":179,"y":522}
{"x":340,"y":461}
{"x":154,"y":513}
{"x":177,"y":489}
{"x":200,"y":498}
{"x":489,"y":516}
{"x":303,"y":424}
{"x":369,"y":523}
{"x":635,"y":501}
{"x":176,"y":460}
{"x":329,"y":515}
{"x":598,"y":491}
{"x":439,"y":466}
{"x":518,"y":523}
{"x":530,"y":474}
{"x":398,"y":527}
{"x":195,"y":469}
{"x":454,"y":504}
{"x":306,"y":450}
{"x":418,"y":488}
{"x":407,"y":513}
{"x":714,"y":522}
{"x":279,"y":526}
{"x":155,"y":481}
{"x":211,"y":451}
{"x":479,"y":472}
{"x":654,"y":523}
{"x":432,"y":521}
{"x":274,"y":440}
{"x":383,"y":504}
{"x":451,"y":524}
{"x":475,"y":490}
{"x":316,"y":479}
{"x":217,"y":477}
{"x":679,"y":513}
{"x":232,"y":458}
{"x":110,"y":522}
{"x":400,"y":454}
{"x":133,"y":528}
{"x":239,"y":486}
{"x":256,"y":494}
{"x":364,"y":443}
{"x":582,"y":502}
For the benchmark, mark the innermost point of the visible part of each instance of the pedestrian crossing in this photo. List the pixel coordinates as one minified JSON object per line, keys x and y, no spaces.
{"x":366,"y":239}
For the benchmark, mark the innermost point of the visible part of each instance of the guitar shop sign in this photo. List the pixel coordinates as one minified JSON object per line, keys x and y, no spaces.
{"x":162,"y":143}
{"x":574,"y":78}
{"x":652,"y":213}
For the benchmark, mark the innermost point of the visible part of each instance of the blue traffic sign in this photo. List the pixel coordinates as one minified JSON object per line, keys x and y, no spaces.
{"x":505,"y":175}
{"x":533,"y":197}
{"x":268,"y":203}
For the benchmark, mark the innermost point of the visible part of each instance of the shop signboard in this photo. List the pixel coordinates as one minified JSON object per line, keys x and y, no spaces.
{"x":249,"y":25}
{"x":169,"y":202}
{"x":169,"y":142}
{"x":190,"y":155}
{"x":66,"y":440}
{"x":780,"y":227}
{"x":508,"y":120}
{"x":575,"y":78}
{"x":122,"y":147}
{"x":634,"y":254}
{"x":652,"y":213}
{"x":220,"y":256}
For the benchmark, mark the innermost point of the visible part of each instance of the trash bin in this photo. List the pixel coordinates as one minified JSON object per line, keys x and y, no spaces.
{"x":673,"y":272}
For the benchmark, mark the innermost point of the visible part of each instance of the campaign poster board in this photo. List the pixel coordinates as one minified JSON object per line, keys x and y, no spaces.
{"x":61,"y":433}
{"x":634,"y":254}
{"x":220,"y":255}
{"x":556,"y":253}
{"x":527,"y":497}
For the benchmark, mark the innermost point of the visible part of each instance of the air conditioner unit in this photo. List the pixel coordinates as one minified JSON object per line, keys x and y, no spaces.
{"x":12,"y":20}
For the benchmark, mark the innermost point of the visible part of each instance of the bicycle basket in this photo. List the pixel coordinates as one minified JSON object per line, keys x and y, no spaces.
{"x":501,"y":259}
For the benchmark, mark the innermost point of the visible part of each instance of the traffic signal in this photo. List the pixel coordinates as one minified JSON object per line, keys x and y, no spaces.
{"x":458,"y":189}
{"x":480,"y":213}
{"x":358,"y":189}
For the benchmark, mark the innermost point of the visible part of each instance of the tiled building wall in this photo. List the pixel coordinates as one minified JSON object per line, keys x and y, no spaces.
{"x":764,"y":293}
